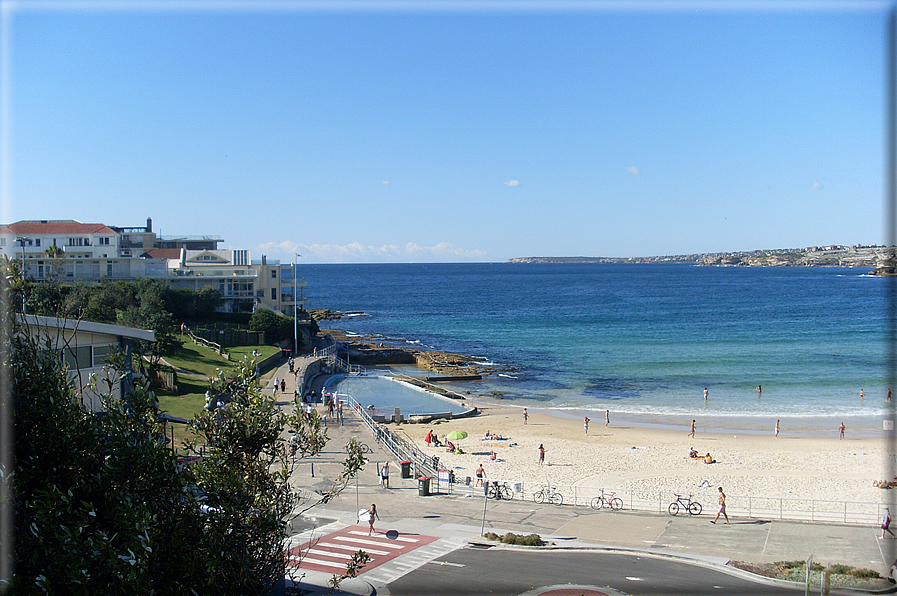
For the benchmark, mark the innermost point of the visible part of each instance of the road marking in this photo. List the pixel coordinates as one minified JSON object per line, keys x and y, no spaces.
{"x":399,"y":538}
{"x":353,"y":549}
{"x":450,"y":564}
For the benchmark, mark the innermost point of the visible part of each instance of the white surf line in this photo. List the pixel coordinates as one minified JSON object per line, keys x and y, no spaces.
{"x":371,"y":542}
{"x":414,"y":540}
{"x":354,"y":549}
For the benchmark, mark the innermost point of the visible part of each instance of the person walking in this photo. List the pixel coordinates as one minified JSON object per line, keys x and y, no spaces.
{"x":371,"y":516}
{"x":722,"y":507}
{"x":841,"y":431}
{"x":525,"y":416}
{"x":692,"y":432}
{"x":541,"y":454}
{"x":885,"y":523}
{"x":777,"y":428}
{"x":606,"y":418}
{"x":384,"y":474}
{"x":586,"y":421}
{"x":706,"y":393}
{"x":481,"y":473}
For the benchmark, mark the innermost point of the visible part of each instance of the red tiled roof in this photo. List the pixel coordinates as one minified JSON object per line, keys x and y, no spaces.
{"x":55,"y":227}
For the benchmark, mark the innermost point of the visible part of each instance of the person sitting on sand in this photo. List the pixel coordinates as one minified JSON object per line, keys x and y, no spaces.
{"x":492,"y":456}
{"x":693,"y":453}
{"x":709,"y":460}
{"x":449,"y":446}
{"x":487,"y":436}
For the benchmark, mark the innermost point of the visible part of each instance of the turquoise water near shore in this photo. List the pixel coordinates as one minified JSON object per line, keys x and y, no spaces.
{"x":640,"y":340}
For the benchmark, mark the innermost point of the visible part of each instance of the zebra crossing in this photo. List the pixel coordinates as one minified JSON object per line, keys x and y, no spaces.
{"x":393,"y":570}
{"x":331,"y":553}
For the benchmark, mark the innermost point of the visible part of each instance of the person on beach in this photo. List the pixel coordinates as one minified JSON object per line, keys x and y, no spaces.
{"x":705,"y":394}
{"x":777,"y":428}
{"x":586,"y":422}
{"x":372,"y":515}
{"x":862,"y":394}
{"x":885,"y":523}
{"x":541,"y":454}
{"x":481,"y":473}
{"x":759,"y":391}
{"x":525,"y":415}
{"x":841,"y":431}
{"x":429,"y":438}
{"x":692,"y":432}
{"x":606,"y":418}
{"x":889,"y":394}
{"x":722,"y":507}
{"x":339,"y":412}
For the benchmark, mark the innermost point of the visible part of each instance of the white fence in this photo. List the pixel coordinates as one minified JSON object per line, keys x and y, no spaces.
{"x":780,"y":508}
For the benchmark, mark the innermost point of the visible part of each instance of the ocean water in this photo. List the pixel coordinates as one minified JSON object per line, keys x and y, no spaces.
{"x":639,"y":340}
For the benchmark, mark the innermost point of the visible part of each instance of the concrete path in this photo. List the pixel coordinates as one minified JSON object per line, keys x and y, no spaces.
{"x":456,"y":519}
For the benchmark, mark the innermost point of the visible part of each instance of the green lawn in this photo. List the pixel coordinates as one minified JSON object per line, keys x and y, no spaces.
{"x":195,"y":364}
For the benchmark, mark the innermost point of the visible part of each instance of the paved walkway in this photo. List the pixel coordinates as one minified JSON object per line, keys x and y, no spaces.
{"x":454,"y":520}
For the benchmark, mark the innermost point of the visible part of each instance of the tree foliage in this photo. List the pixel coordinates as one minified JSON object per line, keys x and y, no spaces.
{"x":276,"y":326}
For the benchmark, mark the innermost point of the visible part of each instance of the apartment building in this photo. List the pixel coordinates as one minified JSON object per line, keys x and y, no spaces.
{"x":73,"y":251}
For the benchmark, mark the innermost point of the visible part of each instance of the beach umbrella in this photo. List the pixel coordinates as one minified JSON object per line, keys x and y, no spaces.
{"x":457,"y":435}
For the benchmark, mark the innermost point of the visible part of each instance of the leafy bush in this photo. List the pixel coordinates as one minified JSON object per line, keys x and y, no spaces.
{"x":864,"y":573}
{"x":511,"y":538}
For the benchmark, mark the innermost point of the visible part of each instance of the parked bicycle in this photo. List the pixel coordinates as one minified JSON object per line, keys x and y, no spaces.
{"x":364,"y":448}
{"x":693,"y":507}
{"x":548,"y":493}
{"x":607,"y":500}
{"x":499,"y":491}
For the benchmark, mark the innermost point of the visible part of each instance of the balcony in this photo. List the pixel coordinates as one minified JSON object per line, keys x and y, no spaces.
{"x":215,"y":273}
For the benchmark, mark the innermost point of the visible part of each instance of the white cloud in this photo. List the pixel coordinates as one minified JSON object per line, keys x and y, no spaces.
{"x":386,"y":183}
{"x":816,"y":186}
{"x":356,"y":252}
{"x":632,"y":170}
{"x":511,"y":183}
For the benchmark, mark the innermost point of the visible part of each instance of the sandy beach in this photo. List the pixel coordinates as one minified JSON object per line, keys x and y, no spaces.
{"x":621,"y":457}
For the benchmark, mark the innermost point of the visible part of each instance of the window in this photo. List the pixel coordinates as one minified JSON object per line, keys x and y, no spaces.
{"x":101,"y":353}
{"x":2,"y":241}
{"x":77,"y":358}
{"x":273,"y":293}
{"x":274,"y":274}
{"x":37,"y":242}
{"x":104,"y":241}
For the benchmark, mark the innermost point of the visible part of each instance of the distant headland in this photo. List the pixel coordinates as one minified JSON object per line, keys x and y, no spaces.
{"x":879,"y":258}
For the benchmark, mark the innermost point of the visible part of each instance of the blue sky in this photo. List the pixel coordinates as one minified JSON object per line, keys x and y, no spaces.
{"x":421,"y":132}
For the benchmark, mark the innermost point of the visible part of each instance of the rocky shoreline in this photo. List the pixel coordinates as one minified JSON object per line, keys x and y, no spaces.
{"x":365,"y":350}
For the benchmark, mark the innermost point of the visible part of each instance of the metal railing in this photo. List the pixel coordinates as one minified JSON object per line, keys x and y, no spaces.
{"x":780,"y":508}
{"x":399,"y":447}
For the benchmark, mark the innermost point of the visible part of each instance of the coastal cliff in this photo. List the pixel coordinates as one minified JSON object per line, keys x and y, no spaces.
{"x":878,"y":258}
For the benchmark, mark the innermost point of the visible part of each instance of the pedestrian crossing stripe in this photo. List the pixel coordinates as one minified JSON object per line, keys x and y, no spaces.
{"x":332,"y":552}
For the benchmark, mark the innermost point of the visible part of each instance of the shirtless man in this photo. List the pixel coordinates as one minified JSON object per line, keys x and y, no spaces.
{"x":722,"y":507}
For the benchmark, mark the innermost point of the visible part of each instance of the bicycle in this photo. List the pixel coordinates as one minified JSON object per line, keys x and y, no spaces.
{"x":364,"y":448}
{"x":499,"y":491}
{"x":693,"y":507}
{"x":615,"y":503}
{"x":548,"y":493}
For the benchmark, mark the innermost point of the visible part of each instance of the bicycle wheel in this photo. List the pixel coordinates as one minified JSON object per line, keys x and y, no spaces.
{"x":490,"y":492}
{"x":365,"y":448}
{"x":616,"y":503}
{"x":539,"y":496}
{"x":694,"y":508}
{"x":556,"y":499}
{"x":507,"y":493}
{"x":597,"y":503}
{"x":674,"y":508}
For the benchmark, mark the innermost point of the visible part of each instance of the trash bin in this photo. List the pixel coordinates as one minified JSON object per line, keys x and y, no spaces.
{"x":406,"y":469}
{"x":423,"y":486}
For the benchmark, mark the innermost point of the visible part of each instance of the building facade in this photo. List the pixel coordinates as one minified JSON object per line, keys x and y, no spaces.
{"x":72,"y":251}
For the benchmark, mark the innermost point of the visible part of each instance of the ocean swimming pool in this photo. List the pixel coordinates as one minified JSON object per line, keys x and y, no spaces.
{"x":386,"y":394}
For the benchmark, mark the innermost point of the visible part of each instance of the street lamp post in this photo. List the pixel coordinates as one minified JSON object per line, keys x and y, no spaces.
{"x":295,"y":309}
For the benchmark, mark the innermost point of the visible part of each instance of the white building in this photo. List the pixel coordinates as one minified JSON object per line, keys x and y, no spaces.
{"x":85,"y":347}
{"x":93,"y":252}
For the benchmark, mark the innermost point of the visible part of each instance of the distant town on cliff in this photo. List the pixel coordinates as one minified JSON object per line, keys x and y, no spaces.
{"x":879,"y":258}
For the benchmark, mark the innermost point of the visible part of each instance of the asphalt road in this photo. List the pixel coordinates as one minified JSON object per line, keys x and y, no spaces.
{"x":511,"y":573}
